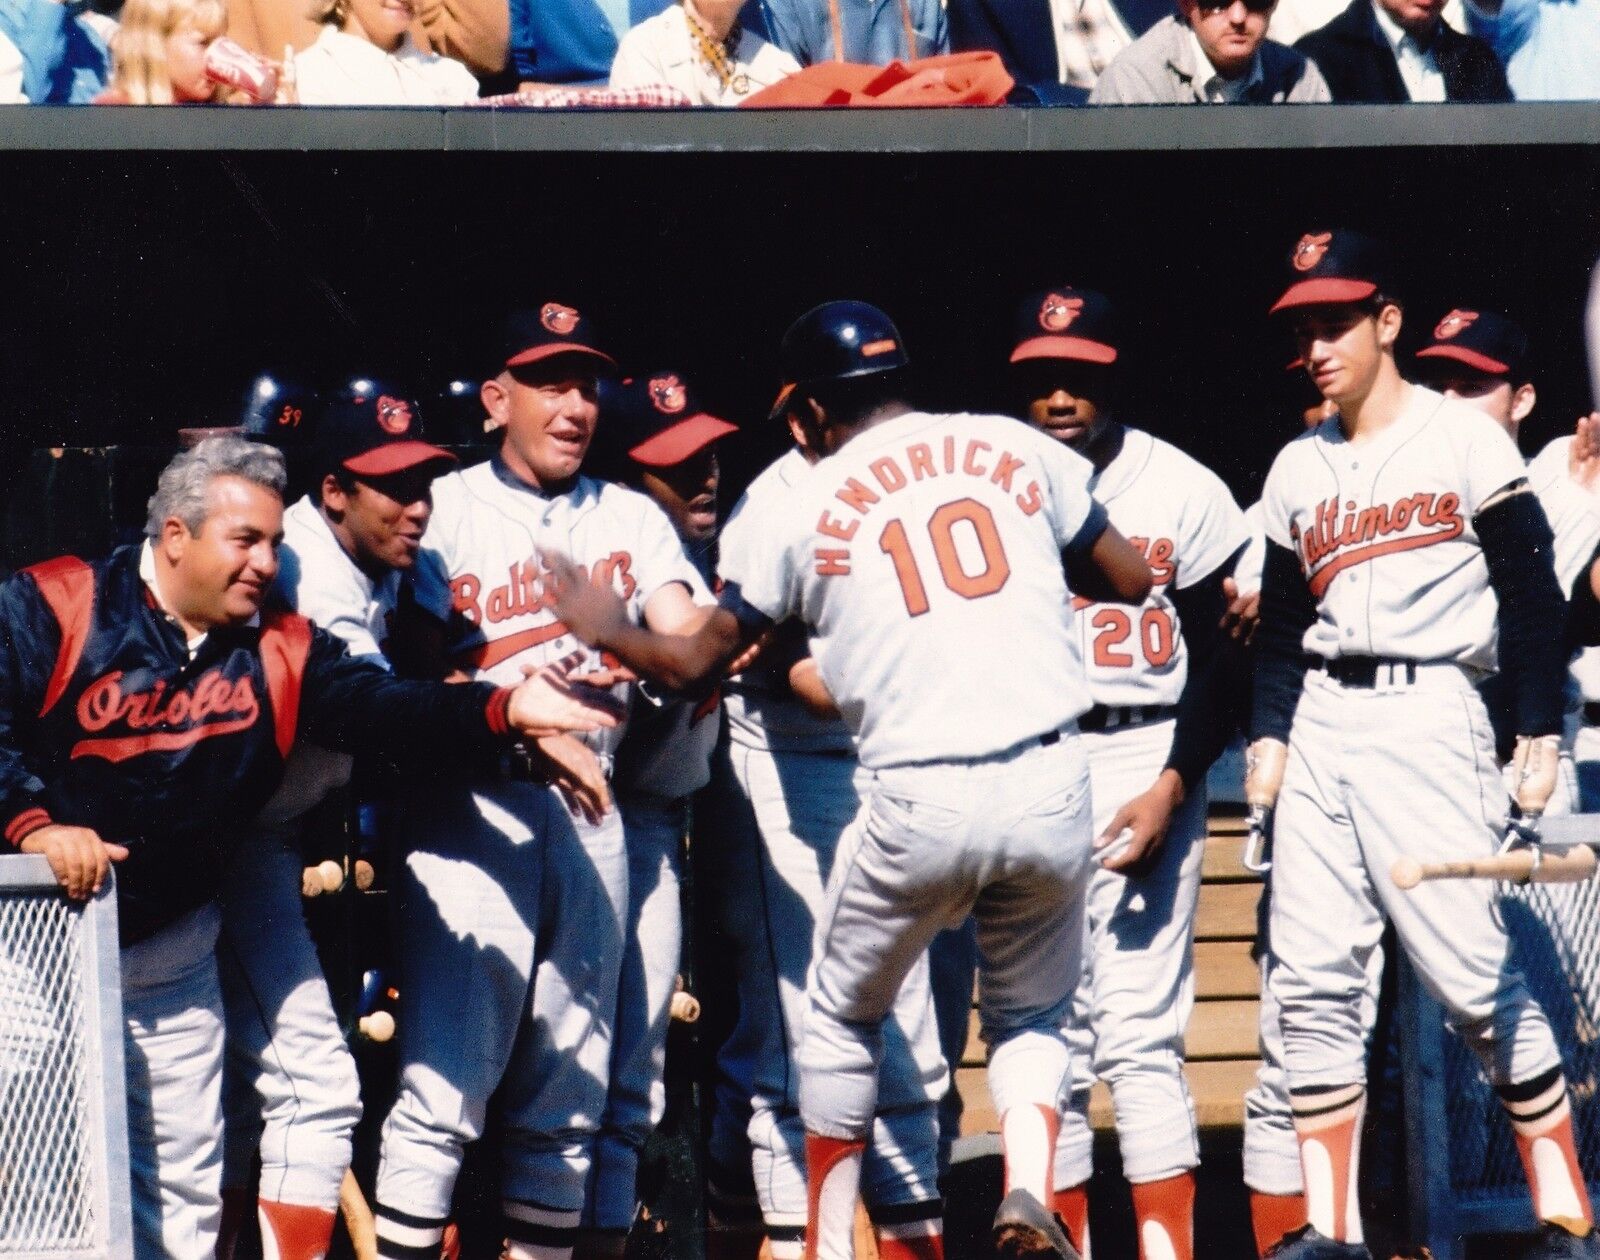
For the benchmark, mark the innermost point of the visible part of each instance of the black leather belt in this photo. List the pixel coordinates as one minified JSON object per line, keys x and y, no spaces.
{"x":1591,"y":714}
{"x":1106,"y":717}
{"x":1362,"y":671}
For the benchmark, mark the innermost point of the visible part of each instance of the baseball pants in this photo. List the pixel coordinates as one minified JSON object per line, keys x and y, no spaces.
{"x":1375,"y":774}
{"x":172,"y":1013}
{"x":511,"y":944}
{"x":652,"y":954}
{"x":290,"y":1086}
{"x":1005,"y":839}
{"x":1136,"y":994}
{"x":780,"y":817}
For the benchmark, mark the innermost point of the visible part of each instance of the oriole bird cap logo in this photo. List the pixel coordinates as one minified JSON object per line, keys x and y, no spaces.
{"x":559,"y":319}
{"x":668,"y":394}
{"x":394,"y":415}
{"x":1454,"y":324}
{"x":1309,"y":250}
{"x":1056,"y":312}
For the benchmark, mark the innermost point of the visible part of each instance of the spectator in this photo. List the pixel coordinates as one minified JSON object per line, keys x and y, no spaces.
{"x":471,"y":31}
{"x":1550,"y":48}
{"x":700,"y":48}
{"x":159,"y":54}
{"x":52,"y":54}
{"x":1214,"y":52}
{"x":865,"y":32}
{"x":1390,"y":51}
{"x":572,"y":41}
{"x":365,"y":56}
{"x":1294,"y":18}
{"x":1063,"y":45}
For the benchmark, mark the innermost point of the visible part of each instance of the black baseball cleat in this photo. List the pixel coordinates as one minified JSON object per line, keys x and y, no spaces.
{"x":1555,"y":1243}
{"x":1025,"y":1227}
{"x":1306,"y":1244}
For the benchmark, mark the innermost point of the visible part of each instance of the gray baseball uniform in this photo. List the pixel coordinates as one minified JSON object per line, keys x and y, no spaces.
{"x":918,"y":551}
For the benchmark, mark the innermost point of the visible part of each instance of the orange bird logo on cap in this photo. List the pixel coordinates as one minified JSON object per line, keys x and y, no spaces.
{"x":559,"y":319}
{"x":1056,"y":313}
{"x":394,"y":415}
{"x":668,"y":394}
{"x":1308,"y":253}
{"x":1454,"y":324}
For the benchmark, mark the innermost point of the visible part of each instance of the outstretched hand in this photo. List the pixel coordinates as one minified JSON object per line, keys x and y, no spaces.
{"x":1243,"y":613}
{"x":1583,"y":456}
{"x":575,"y":772}
{"x":592,"y":611}
{"x":547,"y":702}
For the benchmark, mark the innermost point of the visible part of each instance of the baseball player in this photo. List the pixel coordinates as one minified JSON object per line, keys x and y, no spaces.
{"x":1395,"y":534}
{"x":915,"y":538}
{"x":291,"y":1091}
{"x":666,"y":441}
{"x":1150,"y":736}
{"x":787,"y":783}
{"x":147,"y":707}
{"x":515,"y":900}
{"x":1480,"y":357}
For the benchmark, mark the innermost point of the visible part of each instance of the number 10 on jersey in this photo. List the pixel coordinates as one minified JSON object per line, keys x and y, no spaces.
{"x":976,"y":521}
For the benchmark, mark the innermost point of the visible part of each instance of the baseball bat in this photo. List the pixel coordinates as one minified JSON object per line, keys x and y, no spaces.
{"x":1518,"y":866}
{"x":358,"y":1221}
{"x":325,"y":877}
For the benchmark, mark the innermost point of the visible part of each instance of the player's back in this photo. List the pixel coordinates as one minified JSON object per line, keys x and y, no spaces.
{"x":926,"y":555}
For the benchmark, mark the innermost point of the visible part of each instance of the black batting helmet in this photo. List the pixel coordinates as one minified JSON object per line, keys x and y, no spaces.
{"x":837,"y":341}
{"x":275,"y":407}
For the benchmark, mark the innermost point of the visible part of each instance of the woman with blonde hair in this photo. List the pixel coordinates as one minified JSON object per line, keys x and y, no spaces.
{"x":158,"y":56}
{"x":365,"y":56}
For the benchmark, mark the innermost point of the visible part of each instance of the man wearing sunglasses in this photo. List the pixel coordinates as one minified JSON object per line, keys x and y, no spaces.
{"x":1212,"y":52}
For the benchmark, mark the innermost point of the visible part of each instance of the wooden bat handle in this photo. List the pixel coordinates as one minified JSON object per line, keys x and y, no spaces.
{"x":1546,"y":866}
{"x":358,"y":1222}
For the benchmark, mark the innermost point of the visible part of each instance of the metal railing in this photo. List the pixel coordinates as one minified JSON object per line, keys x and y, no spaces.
{"x":63,"y":1126}
{"x":1465,"y":1176}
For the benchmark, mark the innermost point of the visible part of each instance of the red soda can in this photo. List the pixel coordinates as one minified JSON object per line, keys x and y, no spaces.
{"x":229,"y":64}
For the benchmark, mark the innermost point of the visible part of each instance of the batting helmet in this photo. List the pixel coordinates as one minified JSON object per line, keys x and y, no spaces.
{"x":837,"y":341}
{"x":274,"y":408}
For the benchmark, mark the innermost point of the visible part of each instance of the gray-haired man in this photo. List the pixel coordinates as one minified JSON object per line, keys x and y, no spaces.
{"x":147,"y":705}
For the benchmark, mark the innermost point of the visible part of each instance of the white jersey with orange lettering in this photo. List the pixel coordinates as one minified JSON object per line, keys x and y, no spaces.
{"x":1137,"y":989}
{"x":926,"y":557}
{"x":786,"y":786}
{"x":479,"y":569}
{"x":1383,"y":530}
{"x":923,"y":553}
{"x":505,"y":884}
{"x":1573,"y":512}
{"x":1185,"y":521}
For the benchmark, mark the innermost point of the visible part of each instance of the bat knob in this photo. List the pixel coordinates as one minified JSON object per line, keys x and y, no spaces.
{"x":364,"y":874}
{"x":378,"y":1026}
{"x":331,"y":875}
{"x":1406,"y":873}
{"x":685,"y":1007}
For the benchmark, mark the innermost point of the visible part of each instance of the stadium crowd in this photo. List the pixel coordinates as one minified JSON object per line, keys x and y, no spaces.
{"x":634,"y":53}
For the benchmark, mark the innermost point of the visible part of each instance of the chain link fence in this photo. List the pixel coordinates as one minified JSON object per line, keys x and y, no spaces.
{"x":63,"y":1131}
{"x":1466,"y":1177}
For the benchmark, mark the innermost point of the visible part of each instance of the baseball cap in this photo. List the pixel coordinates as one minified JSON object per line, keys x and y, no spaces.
{"x":1337,"y":265}
{"x":1485,"y":341}
{"x":544,"y":331}
{"x":372,"y":428}
{"x":1064,"y":323}
{"x":659,"y":420}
